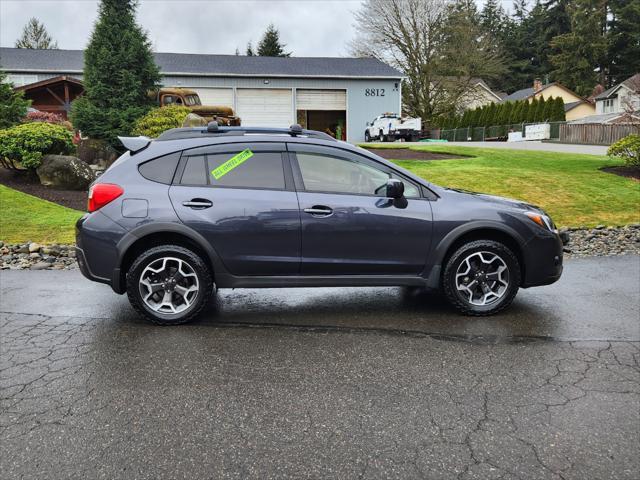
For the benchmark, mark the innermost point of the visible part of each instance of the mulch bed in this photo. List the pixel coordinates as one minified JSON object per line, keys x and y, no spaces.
{"x":407,"y":154}
{"x":628,"y":172}
{"x":28,"y":183}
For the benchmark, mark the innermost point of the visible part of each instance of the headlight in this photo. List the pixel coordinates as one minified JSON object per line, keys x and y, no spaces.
{"x":543,"y":220}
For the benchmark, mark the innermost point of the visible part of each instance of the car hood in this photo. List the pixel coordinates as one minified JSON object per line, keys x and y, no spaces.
{"x":500,"y":202}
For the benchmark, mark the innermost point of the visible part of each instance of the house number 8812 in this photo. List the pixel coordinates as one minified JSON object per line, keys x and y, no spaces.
{"x":374,"y":92}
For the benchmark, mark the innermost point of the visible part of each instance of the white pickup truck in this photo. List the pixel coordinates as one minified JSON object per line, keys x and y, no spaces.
{"x":390,"y":127}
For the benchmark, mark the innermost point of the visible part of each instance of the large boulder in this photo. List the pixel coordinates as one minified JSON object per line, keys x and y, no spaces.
{"x":62,"y":171}
{"x":97,"y":152}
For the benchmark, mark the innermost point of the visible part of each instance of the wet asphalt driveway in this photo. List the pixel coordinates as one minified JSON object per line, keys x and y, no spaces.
{"x":323,"y":383}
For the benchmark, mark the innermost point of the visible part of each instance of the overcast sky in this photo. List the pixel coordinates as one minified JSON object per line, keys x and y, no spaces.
{"x":308,"y":27}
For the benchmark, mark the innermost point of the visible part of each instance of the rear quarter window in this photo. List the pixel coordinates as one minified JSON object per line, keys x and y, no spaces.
{"x":160,"y":169}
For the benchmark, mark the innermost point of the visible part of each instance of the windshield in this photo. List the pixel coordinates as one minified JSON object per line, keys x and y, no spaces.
{"x":192,"y":100}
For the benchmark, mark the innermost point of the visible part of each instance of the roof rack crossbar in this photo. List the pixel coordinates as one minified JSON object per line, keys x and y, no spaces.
{"x":214,"y":129}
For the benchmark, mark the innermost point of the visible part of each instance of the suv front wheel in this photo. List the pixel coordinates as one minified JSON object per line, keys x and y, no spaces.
{"x":169,"y":284}
{"x":481,"y":278}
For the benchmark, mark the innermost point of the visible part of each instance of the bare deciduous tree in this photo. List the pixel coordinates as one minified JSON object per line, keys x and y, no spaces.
{"x":439,"y":48}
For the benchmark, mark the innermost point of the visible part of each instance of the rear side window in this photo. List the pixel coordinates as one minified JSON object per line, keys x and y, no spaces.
{"x":160,"y":169}
{"x":195,"y":171}
{"x":246,"y":169}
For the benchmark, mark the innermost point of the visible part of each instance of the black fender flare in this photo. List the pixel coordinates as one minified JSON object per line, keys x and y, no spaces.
{"x":142,"y":231}
{"x":440,"y":250}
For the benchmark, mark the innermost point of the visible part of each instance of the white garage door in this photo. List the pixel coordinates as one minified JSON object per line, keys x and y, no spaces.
{"x":216,"y":96}
{"x":264,"y":107}
{"x":321,"y":99}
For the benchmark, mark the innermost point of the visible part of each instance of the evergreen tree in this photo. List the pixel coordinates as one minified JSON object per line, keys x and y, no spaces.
{"x":548,"y":110}
{"x":524,"y":113}
{"x":119,"y":74}
{"x":249,"y":52}
{"x":270,"y":45}
{"x":493,"y":18}
{"x":491,"y":115}
{"x":13,"y":106}
{"x":623,"y":53}
{"x":35,"y":36}
{"x":583,"y":49}
{"x":559,"y":113}
{"x":516,"y":113}
{"x":540,"y":109}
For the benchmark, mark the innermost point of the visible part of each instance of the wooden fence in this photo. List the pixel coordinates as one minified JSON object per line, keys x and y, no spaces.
{"x":595,"y":134}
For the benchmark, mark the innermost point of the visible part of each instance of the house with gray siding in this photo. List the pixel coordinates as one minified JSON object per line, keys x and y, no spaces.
{"x":319,"y":92}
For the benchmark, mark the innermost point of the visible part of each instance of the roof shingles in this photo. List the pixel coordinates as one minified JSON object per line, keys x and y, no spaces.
{"x":71,"y":61}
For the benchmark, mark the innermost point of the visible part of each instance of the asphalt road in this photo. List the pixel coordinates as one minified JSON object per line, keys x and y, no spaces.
{"x":323,"y":383}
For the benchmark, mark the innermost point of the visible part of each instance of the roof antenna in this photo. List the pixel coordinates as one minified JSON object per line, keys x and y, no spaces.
{"x":212,"y":127}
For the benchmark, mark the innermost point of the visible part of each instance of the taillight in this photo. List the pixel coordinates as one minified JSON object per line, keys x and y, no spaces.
{"x":102,"y":193}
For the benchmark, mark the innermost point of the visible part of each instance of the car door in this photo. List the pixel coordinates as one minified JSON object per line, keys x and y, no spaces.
{"x":241,"y":198}
{"x":348,"y":226}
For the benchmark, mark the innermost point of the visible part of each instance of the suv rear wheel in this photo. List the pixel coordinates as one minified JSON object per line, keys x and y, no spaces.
{"x":169,"y":284}
{"x":481,"y":278}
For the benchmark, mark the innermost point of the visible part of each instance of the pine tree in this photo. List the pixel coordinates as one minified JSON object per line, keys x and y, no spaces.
{"x":119,"y":74}
{"x":13,"y":106}
{"x":249,"y":52}
{"x":623,"y":55}
{"x":270,"y":45}
{"x":583,"y":50}
{"x":35,"y":36}
{"x":492,"y":18}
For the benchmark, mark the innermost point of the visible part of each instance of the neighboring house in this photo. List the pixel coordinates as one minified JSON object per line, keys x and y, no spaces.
{"x":623,"y":97}
{"x":479,"y":94}
{"x":575,"y":106}
{"x":318,"y":93}
{"x":610,"y":118}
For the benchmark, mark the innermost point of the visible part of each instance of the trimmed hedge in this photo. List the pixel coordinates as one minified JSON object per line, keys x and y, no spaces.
{"x":26,"y":144}
{"x":160,"y":119}
{"x":628,"y":149}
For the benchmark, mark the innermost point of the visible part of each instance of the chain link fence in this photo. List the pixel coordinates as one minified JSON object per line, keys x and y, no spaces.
{"x":493,"y":133}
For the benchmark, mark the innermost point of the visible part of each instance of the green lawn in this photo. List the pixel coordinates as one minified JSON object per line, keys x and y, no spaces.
{"x":568,"y":186}
{"x":25,"y":217}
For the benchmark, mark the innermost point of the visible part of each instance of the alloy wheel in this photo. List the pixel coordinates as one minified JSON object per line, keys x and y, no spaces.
{"x":482,"y":278}
{"x":168,"y":285}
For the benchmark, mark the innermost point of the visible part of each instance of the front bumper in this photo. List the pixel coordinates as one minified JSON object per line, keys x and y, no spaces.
{"x":543,"y":257}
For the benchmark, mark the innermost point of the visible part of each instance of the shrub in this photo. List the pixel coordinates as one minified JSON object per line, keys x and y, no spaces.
{"x":26,"y":144}
{"x":627,"y":149}
{"x":160,"y":119}
{"x":38,"y":116}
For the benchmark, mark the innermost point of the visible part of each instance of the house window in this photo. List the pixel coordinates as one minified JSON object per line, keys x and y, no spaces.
{"x":608,"y":105}
{"x":19,"y":80}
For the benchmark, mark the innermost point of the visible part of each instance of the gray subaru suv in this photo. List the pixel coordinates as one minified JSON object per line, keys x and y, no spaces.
{"x":235,"y":207}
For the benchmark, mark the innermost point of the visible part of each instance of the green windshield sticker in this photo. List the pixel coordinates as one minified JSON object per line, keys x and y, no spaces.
{"x":232,"y":163}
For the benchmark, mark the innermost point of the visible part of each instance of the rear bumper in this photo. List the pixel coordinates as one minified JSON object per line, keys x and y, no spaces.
{"x":96,"y":252}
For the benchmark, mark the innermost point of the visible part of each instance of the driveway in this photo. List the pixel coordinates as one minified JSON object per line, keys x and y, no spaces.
{"x":531,"y":145}
{"x":323,"y":383}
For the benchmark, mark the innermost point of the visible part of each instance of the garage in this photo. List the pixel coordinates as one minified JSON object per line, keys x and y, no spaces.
{"x":216,"y":96}
{"x":323,"y":110}
{"x":265,"y":107}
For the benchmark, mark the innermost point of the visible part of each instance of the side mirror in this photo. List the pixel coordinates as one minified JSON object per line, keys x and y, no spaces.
{"x":395,"y":188}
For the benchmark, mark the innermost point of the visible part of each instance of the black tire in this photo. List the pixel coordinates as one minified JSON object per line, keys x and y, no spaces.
{"x":192,"y":260}
{"x":459,"y":299}
{"x":367,"y":137}
{"x":381,"y":137}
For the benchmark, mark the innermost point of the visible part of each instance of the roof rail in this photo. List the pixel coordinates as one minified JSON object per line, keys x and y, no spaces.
{"x":214,"y":129}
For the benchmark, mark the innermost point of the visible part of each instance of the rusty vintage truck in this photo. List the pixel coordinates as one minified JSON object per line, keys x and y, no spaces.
{"x":190,"y":99}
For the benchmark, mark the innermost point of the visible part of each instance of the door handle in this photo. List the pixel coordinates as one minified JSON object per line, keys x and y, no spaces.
{"x":319,"y":211}
{"x":198,"y":203}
